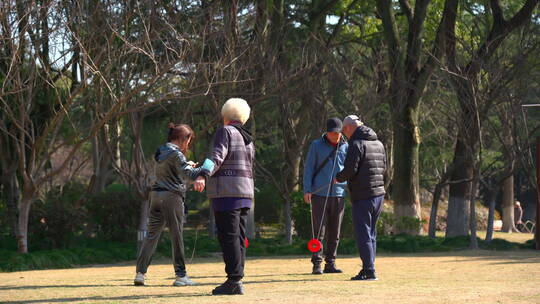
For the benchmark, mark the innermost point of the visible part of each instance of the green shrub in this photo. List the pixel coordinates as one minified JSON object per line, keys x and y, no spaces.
{"x":347,"y":227}
{"x":301,"y":216}
{"x":268,"y":204}
{"x":385,"y":223}
{"x":408,"y":223}
{"x":89,"y":252}
{"x":115,"y":212}
{"x":58,"y":218}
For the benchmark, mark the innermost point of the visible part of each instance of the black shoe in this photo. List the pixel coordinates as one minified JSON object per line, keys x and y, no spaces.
{"x":229,"y":288}
{"x":331,"y":268}
{"x":365,"y":276}
{"x":317,"y":269}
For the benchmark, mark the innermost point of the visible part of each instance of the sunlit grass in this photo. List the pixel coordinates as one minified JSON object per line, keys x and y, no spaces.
{"x":511,"y":237}
{"x":455,"y":277}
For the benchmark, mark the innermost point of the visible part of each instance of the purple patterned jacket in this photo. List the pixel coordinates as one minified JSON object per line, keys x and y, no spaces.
{"x":233,"y":154}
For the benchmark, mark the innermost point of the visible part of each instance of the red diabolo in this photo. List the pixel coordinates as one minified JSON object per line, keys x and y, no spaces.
{"x":314,"y":245}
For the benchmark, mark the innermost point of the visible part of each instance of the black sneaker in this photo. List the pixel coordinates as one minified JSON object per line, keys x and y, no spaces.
{"x":365,"y":276}
{"x":317,"y":269}
{"x":229,"y":288}
{"x":331,"y":268}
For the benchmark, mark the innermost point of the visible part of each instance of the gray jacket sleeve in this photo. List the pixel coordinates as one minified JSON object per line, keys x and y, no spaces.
{"x":187,"y":171}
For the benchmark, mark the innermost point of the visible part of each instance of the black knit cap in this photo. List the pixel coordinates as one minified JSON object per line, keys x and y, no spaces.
{"x":334,"y":125}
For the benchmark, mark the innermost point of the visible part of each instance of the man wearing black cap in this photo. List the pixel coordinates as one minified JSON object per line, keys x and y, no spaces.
{"x":326,"y":157}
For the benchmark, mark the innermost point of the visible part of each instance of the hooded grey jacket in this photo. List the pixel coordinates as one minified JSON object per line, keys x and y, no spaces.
{"x":365,"y":165}
{"x":172,"y":171}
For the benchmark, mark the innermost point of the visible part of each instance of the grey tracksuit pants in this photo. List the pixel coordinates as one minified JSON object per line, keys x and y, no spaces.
{"x":166,"y":209}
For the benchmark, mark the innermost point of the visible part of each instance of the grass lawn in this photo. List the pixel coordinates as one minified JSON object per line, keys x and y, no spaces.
{"x":453,"y":277}
{"x":511,"y":237}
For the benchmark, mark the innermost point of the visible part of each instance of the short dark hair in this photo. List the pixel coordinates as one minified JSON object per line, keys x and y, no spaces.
{"x":180,"y":132}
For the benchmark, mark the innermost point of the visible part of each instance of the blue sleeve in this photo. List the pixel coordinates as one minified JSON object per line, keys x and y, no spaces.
{"x":309,"y":168}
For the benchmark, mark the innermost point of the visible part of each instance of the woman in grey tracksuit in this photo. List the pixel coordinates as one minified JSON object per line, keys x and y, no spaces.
{"x":173,"y":173}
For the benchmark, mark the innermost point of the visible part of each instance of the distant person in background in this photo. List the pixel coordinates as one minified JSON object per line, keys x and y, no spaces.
{"x":518,"y":216}
{"x":324,"y":160}
{"x":230,"y":187}
{"x":364,"y":169}
{"x":173,"y":175}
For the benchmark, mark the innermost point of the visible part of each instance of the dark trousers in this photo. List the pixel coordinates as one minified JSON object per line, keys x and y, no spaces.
{"x":365,"y":215}
{"x":231,"y":229}
{"x":331,"y":219}
{"x":166,"y":209}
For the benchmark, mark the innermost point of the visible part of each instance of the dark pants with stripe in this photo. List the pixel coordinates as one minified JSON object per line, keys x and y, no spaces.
{"x":166,"y":209}
{"x":365,"y":215}
{"x":327,"y":225}
{"x":231,"y":229}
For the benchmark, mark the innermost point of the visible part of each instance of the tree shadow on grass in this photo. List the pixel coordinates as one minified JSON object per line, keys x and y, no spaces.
{"x":502,"y":260}
{"x":139,"y":297}
{"x":91,"y":286}
{"x":496,"y":257}
{"x":50,"y":286}
{"x":128,"y":298}
{"x":252,"y":276}
{"x":122,"y":298}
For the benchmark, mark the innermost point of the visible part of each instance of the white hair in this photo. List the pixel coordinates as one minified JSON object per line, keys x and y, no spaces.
{"x":236,"y":109}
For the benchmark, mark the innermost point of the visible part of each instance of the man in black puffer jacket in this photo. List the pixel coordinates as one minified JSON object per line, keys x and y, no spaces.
{"x":364,"y":169}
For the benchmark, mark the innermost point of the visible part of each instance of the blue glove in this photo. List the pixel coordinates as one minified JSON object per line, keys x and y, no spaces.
{"x":208,"y":165}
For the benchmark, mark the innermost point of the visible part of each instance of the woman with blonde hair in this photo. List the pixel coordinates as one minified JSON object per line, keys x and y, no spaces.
{"x":173,"y":175}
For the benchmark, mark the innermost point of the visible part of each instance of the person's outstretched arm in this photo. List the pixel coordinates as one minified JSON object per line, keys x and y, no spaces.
{"x":352,"y":163}
{"x":219,"y":152}
{"x":220,"y":149}
{"x":188,"y":170}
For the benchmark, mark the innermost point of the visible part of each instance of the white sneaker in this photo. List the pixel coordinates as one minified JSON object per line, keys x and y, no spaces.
{"x":139,"y":279}
{"x":183,"y":281}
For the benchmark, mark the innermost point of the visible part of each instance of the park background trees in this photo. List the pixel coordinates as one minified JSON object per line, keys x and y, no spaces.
{"x":87,"y":88}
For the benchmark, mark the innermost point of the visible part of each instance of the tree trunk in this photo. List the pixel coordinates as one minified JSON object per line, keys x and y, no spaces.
{"x":490,"y":198}
{"x":294,"y":159}
{"x":434,"y":209}
{"x":458,"y":204}
{"x":508,"y":205}
{"x":288,"y":221}
{"x":143,"y":223}
{"x":472,"y":216}
{"x":100,"y":162}
{"x":508,"y":197}
{"x":251,"y":215}
{"x":11,"y":194}
{"x":24,"y":213}
{"x":250,"y":229}
{"x":211,"y":223}
{"x":405,"y":186}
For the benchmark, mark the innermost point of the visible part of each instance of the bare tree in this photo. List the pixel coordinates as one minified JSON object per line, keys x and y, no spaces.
{"x":39,"y":95}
